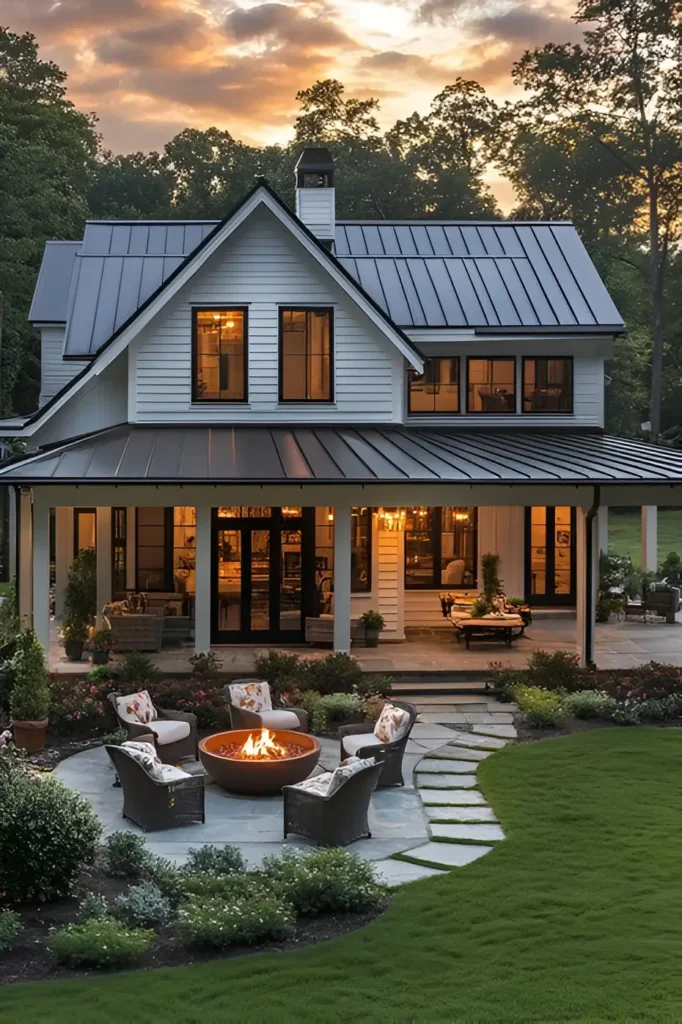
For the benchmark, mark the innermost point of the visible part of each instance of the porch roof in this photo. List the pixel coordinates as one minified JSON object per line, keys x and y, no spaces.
{"x":130,"y":454}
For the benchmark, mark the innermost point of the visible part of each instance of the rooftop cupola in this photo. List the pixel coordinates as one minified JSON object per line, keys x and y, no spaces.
{"x":315,"y":194}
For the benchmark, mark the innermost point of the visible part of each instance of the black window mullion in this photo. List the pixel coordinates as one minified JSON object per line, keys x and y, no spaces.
{"x":436,"y":543}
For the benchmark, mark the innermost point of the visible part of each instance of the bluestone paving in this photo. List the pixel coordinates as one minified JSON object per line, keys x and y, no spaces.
{"x":480,"y":742}
{"x":427,"y":781}
{"x":398,"y":872}
{"x":507,"y":732}
{"x":446,"y":765}
{"x":475,"y":832}
{"x":455,"y":798}
{"x":460,"y":754}
{"x":449,"y":855}
{"x":459,"y":814}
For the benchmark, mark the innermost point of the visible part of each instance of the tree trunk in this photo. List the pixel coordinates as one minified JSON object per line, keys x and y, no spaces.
{"x":656,"y":276}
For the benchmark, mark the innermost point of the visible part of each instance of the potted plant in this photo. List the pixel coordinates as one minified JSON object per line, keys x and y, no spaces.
{"x":101,"y":644}
{"x":30,"y":698}
{"x":490,"y":564}
{"x":373,"y":624}
{"x":73,"y":636}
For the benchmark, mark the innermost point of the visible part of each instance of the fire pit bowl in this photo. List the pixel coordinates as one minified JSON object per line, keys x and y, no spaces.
{"x":258,"y":770}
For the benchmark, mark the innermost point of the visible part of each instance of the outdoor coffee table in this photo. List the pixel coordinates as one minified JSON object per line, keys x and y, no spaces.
{"x":505,"y":630}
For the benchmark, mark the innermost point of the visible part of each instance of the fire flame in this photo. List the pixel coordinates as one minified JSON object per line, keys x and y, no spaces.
{"x":262,"y":747}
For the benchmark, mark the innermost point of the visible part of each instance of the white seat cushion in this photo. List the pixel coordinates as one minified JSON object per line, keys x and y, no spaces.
{"x":351,"y":744}
{"x":169,"y":732}
{"x":280,"y":719}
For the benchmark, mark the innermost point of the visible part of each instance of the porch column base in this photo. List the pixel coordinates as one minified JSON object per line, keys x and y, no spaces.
{"x":342,"y":578}
{"x":587,"y":576}
{"x":41,"y":573}
{"x":202,"y":603}
{"x":104,"y":563}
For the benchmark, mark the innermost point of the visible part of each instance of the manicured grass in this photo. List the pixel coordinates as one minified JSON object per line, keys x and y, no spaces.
{"x":625,"y":532}
{"x":577,"y":916}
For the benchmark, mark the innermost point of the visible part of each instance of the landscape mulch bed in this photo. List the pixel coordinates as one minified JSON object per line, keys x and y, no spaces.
{"x":29,"y":958}
{"x":568,"y":727}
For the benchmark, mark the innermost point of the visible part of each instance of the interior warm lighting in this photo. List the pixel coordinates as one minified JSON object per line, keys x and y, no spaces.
{"x":462,"y":517}
{"x":392,"y":519}
{"x":229,"y":323}
{"x":330,"y":516}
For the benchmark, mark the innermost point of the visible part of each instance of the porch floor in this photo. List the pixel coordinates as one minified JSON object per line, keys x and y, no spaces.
{"x":618,"y":645}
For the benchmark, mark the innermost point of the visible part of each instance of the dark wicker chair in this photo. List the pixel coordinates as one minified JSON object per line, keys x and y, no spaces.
{"x":391,"y":754}
{"x":157,"y":805}
{"x":335,"y":820}
{"x":242,"y":718}
{"x":169,"y":753}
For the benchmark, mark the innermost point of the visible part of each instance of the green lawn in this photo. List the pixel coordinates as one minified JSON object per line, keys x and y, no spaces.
{"x":577,"y":916}
{"x":625,"y":532}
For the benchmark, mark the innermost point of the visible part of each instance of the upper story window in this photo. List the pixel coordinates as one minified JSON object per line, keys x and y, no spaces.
{"x":437,"y":388}
{"x":219,"y":355}
{"x":305,"y":355}
{"x":491,"y":385}
{"x":548,"y":385}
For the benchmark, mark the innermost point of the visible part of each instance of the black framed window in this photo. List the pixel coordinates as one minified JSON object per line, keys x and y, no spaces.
{"x":84,"y":529}
{"x":154,"y":548}
{"x":306,"y":355}
{"x":440,"y":548}
{"x":361,"y":551}
{"x":219,"y":355}
{"x":436,"y":390}
{"x":119,"y":547}
{"x":491,"y":385}
{"x":548,"y":385}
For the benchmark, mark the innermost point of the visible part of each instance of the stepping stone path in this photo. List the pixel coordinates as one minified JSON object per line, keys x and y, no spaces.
{"x":461,"y":824}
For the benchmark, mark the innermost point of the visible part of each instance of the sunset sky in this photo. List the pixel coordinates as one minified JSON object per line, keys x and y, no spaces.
{"x":151,"y":67}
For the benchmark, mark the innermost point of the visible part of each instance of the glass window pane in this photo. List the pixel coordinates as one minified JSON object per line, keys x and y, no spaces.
{"x":151,"y":548}
{"x":547,"y":385}
{"x":229,"y":579}
{"x":491,"y":385}
{"x":184,"y":549}
{"x":562,"y":550}
{"x":458,"y":547}
{"x":305,"y":355}
{"x":324,"y":560}
{"x":419,"y":548}
{"x":260,"y":580}
{"x":292,"y":593}
{"x":360,"y":554}
{"x":219,"y":355}
{"x":437,"y":389}
{"x":86,"y":529}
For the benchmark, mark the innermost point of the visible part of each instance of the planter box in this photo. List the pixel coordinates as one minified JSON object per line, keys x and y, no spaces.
{"x":321,"y":631}
{"x":137,"y":632}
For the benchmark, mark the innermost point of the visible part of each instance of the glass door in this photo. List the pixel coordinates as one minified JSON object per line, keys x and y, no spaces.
{"x":550,"y":555}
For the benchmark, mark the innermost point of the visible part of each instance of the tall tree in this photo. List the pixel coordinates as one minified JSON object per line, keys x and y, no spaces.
{"x":327,"y":116}
{"x":623,"y":88}
{"x":47,"y":150}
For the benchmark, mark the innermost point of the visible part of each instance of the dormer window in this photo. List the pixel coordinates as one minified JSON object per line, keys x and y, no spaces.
{"x":219,"y":355}
{"x":305,"y":355}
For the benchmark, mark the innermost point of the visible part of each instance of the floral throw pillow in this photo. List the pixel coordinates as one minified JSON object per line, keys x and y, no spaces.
{"x":253,"y":696}
{"x":140,"y":708}
{"x":392,"y":724}
{"x":145,"y":754}
{"x":346,"y":770}
{"x":318,"y":784}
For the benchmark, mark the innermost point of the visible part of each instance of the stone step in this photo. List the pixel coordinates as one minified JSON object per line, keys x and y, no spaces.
{"x":507,"y":732}
{"x":399,"y":872}
{"x":449,"y":855}
{"x":455,"y":798}
{"x":458,"y":754}
{"x":460,"y":814}
{"x":475,"y":832}
{"x":426,"y":781}
{"x":445,"y":765}
{"x":479,"y":742}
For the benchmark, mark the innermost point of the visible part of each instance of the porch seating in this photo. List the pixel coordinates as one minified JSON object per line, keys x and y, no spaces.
{"x":137,"y":632}
{"x":251,"y":707}
{"x":332,"y":808}
{"x":174,"y":732}
{"x":364,"y":741}
{"x":156,"y":797}
{"x":504,"y":628}
{"x":663,"y":600}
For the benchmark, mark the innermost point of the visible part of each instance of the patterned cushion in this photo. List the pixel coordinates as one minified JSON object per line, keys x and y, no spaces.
{"x":136,"y":708}
{"x":169,"y":773}
{"x":145,"y":754}
{"x":318,"y":784}
{"x":392,"y":724}
{"x":253,"y":696}
{"x":346,"y":770}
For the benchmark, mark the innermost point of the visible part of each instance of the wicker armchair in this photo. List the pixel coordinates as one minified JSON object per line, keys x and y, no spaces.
{"x":335,"y":820}
{"x":157,"y":805}
{"x":167,"y":746}
{"x":268,"y":717}
{"x":361,"y":741}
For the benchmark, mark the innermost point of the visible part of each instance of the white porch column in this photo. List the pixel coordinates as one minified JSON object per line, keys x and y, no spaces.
{"x":342,"y":537}
{"x":12,"y":513}
{"x":63,"y":525}
{"x":585,"y":611}
{"x":25,"y":577}
{"x":202,"y":604}
{"x":41,"y":572}
{"x":104,"y":557}
{"x":131,"y":547}
{"x":649,"y":538}
{"x":603,"y":528}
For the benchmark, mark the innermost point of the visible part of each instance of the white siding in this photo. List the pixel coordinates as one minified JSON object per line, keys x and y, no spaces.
{"x":316,"y":208}
{"x":55,"y":371}
{"x":389,"y":583}
{"x":263,"y":267}
{"x":101,"y":403}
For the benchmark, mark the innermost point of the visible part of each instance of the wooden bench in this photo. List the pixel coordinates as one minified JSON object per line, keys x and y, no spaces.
{"x":504,"y":630}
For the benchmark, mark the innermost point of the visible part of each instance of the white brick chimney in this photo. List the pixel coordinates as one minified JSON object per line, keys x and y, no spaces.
{"x":315,"y":193}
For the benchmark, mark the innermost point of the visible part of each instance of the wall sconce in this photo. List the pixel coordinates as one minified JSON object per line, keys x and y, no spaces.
{"x":330,"y":515}
{"x":462,"y":517}
{"x":392,"y":519}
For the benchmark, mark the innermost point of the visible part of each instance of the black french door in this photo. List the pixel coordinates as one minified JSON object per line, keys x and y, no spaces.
{"x":263,"y":574}
{"x":550,"y":555}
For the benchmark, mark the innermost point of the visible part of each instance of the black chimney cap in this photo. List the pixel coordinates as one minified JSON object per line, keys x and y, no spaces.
{"x":315,"y":159}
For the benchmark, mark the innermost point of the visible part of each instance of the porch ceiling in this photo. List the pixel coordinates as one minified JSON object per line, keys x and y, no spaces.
{"x":355,"y":454}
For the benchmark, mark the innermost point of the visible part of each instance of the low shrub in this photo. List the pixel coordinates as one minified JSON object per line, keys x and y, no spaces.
{"x":280,"y":668}
{"x":30,"y":696}
{"x":559,"y":670}
{"x":47,"y":833}
{"x":325,"y":881}
{"x":80,"y":706}
{"x":335,"y":709}
{"x":10,"y":926}
{"x":203,"y":699}
{"x":627,"y":712}
{"x":215,"y":860}
{"x":99,"y":943}
{"x":137,"y":672}
{"x":144,"y":906}
{"x":126,"y":855}
{"x":93,"y":906}
{"x":167,"y":877}
{"x":203,"y":885}
{"x":504,"y":680}
{"x":542,"y":708}
{"x":216,"y":923}
{"x":589,"y":704}
{"x":653,"y":709}
{"x":652,"y":680}
{"x":374,"y":684}
{"x":205,"y":666}
{"x":337,"y":673}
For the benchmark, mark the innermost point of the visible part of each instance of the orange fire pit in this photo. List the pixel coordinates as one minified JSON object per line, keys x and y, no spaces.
{"x":259,"y":760}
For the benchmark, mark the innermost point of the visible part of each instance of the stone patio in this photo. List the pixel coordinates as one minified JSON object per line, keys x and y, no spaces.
{"x":428,"y":824}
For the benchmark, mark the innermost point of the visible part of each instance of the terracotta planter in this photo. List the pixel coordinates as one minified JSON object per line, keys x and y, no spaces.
{"x":99,"y":657}
{"x":73,"y":649}
{"x":30,"y":736}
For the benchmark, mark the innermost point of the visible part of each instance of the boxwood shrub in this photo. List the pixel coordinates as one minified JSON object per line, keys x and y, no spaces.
{"x":541,"y":708}
{"x":99,"y":943}
{"x":215,"y":922}
{"x":325,"y":881}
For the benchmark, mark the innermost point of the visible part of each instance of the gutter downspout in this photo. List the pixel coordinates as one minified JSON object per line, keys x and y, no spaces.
{"x":589,"y":577}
